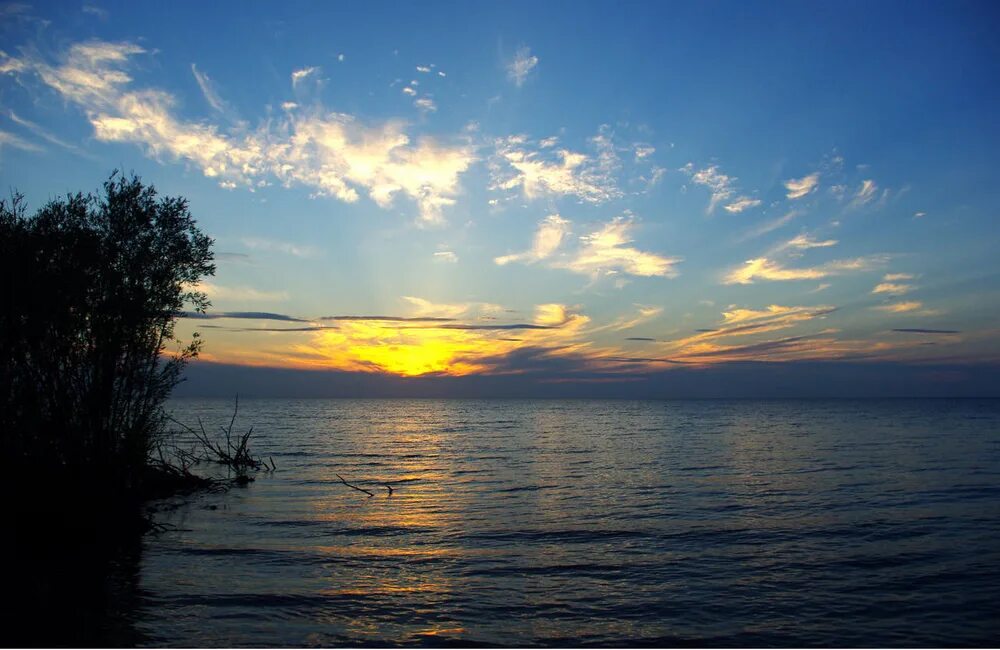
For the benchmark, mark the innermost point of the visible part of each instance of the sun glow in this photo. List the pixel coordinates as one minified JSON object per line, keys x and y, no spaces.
{"x":404,"y":350}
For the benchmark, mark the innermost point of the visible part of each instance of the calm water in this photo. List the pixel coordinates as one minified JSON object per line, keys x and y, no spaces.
{"x":591,"y":522}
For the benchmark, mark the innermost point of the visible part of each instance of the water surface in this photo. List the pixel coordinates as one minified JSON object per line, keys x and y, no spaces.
{"x":590,"y":522}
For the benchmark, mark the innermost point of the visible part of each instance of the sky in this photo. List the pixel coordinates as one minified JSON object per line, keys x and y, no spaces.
{"x":561,"y":196}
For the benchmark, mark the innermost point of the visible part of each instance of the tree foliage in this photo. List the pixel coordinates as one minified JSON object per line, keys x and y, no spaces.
{"x":92,"y":285}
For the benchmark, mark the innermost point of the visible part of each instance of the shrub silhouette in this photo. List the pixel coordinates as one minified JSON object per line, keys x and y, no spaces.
{"x":91,"y":288}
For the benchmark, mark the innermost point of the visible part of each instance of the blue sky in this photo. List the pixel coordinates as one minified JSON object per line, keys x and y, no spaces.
{"x":599,"y":190}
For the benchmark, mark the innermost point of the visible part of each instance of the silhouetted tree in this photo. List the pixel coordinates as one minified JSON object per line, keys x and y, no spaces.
{"x":91,"y":287}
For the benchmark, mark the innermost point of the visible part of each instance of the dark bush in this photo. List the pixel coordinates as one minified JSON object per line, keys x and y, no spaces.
{"x":91,"y":288}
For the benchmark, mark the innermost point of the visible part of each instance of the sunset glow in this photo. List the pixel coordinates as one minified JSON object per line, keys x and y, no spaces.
{"x":510,"y":202}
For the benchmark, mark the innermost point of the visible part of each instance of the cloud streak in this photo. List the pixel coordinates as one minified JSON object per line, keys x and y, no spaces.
{"x":763,"y":268}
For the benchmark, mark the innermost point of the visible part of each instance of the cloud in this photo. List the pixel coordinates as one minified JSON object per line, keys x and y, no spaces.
{"x":607,"y":252}
{"x":552,"y":314}
{"x":643,"y":150}
{"x":11,"y":140}
{"x":764,"y":269}
{"x":920,"y":330}
{"x":423,"y":68}
{"x":768,"y":226}
{"x":334,"y":153}
{"x":407,"y":90}
{"x":800,"y":187}
{"x":446,"y":256}
{"x":741,"y":204}
{"x":295,"y":250}
{"x":865,"y":193}
{"x":642,"y":315}
{"x":544,"y":170}
{"x":900,"y":307}
{"x":299,"y":76}
{"x":722,"y":187}
{"x":93,"y":10}
{"x":892,"y":288}
{"x":551,"y":232}
{"x":425,"y":104}
{"x":521,"y":65}
{"x":239,"y":294}
{"x":210,"y":92}
{"x":773,"y":312}
{"x":805,"y":242}
{"x":892,"y":284}
{"x":45,"y":135}
{"x":709,"y":345}
{"x":390,"y":319}
{"x":423,"y":308}
{"x":252,"y":315}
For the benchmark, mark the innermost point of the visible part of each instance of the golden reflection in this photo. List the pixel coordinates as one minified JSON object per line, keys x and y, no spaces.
{"x":424,"y":506}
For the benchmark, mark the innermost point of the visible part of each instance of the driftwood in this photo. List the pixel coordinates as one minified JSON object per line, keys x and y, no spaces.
{"x":371,"y":494}
{"x":233,"y":451}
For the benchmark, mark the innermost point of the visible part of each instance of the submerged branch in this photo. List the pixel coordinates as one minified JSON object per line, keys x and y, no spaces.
{"x":371,"y":494}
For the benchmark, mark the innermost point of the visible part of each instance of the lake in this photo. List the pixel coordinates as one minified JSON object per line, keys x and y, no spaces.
{"x":722,"y":523}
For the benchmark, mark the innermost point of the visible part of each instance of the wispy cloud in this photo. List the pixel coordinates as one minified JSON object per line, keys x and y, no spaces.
{"x":723,"y":187}
{"x":892,"y":288}
{"x":805,"y":242}
{"x":604,"y":252}
{"x":893,"y":284}
{"x":422,"y":308}
{"x":738,"y":315}
{"x":334,"y":153}
{"x":521,"y":66}
{"x":45,"y":135}
{"x":94,"y":10}
{"x":239,"y":294}
{"x":763,"y":268}
{"x":711,"y":345}
{"x":607,"y":252}
{"x":900,"y":307}
{"x":250,"y":315}
{"x":425,"y":104}
{"x":865,"y":194}
{"x":800,"y":187}
{"x":296,"y":250}
{"x":550,"y":234}
{"x":541,"y":170}
{"x":210,"y":92}
{"x":300,"y":75}
{"x":10,"y":140}
{"x":446,"y":256}
{"x":741,"y":204}
{"x":771,"y":225}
